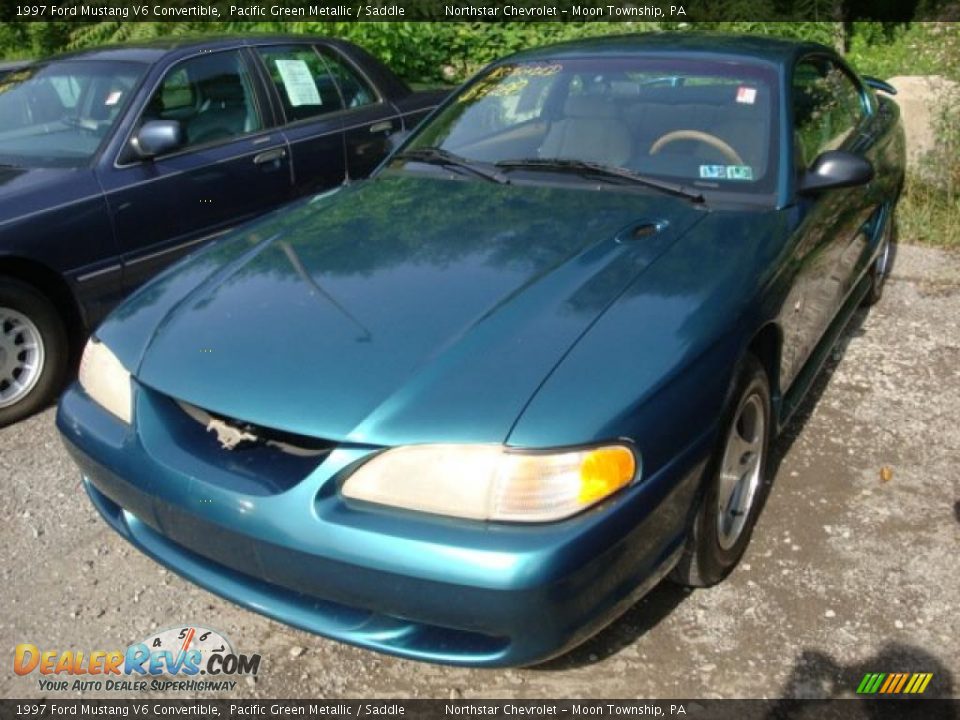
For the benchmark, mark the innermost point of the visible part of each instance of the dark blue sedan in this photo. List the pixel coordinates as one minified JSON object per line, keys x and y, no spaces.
{"x":471,"y":409}
{"x":115,"y":162}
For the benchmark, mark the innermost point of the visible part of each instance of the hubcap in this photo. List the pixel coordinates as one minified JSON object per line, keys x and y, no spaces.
{"x":740,"y":471}
{"x":21,"y":356}
{"x":883,"y":259}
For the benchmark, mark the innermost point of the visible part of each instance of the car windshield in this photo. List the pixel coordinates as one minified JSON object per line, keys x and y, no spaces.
{"x":702,"y":124}
{"x":57,"y":114}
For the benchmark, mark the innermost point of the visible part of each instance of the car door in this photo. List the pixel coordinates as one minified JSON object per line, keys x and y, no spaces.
{"x":369,"y":119}
{"x":230,"y":166}
{"x":305,"y":90}
{"x":828,"y":114}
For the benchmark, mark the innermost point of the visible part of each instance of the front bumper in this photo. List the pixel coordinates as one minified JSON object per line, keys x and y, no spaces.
{"x":428,"y":588}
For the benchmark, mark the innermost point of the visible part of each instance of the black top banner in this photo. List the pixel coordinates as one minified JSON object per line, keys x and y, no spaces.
{"x":679,"y":11}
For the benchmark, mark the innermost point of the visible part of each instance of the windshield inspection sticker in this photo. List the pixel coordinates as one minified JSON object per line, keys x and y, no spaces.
{"x":298,"y":82}
{"x":739,"y":172}
{"x":726,"y":172}
{"x":713,"y":172}
{"x":746,"y":95}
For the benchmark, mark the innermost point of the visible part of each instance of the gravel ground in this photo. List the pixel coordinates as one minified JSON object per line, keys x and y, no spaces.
{"x":847,"y":573}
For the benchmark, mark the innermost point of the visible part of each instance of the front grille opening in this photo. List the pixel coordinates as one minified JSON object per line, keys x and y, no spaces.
{"x":240,"y":435}
{"x":241,"y":456}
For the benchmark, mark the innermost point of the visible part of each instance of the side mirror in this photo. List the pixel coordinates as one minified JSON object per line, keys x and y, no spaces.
{"x":157,"y":137}
{"x":836,"y":169}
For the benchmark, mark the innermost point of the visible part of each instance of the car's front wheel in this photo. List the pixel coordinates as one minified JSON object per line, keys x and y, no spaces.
{"x":736,"y":483}
{"x":33,"y":350}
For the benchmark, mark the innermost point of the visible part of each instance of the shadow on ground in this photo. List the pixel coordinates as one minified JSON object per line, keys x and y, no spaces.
{"x":817,"y":676}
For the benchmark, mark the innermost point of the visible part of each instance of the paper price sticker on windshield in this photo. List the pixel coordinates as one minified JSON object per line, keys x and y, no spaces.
{"x":298,"y":82}
{"x":746,"y":95}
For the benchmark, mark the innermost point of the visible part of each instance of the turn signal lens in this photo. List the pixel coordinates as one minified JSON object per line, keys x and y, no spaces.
{"x":604,"y":471}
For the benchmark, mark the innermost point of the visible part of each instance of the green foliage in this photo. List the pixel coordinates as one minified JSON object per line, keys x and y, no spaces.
{"x":419,"y":52}
{"x":450,"y":52}
{"x":886,"y":50}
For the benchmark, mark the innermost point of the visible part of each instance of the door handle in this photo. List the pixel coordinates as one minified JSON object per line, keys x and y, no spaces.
{"x":383,"y":126}
{"x":269,"y":156}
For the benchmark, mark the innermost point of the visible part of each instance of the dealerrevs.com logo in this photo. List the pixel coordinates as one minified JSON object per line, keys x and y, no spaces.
{"x":171,"y":660}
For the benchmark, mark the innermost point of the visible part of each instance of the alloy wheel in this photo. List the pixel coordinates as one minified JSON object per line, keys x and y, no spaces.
{"x":21,"y":356}
{"x":740,"y":470}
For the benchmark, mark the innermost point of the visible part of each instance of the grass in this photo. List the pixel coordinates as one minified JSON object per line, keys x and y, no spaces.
{"x":921,"y":48}
{"x":929,"y":214}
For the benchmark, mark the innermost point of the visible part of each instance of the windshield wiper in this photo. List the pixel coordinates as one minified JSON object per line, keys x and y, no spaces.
{"x":439,"y":156}
{"x":584,"y":167}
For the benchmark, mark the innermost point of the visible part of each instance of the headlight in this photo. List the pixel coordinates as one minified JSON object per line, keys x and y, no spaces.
{"x":105,"y":379}
{"x":491,"y":482}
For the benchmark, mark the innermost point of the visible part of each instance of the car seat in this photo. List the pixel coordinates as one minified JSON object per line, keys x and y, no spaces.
{"x":224,"y":113}
{"x":591,"y":130}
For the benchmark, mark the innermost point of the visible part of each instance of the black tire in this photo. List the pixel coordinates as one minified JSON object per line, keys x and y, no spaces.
{"x":881,"y":266}
{"x":705,"y":561}
{"x":28,"y":301}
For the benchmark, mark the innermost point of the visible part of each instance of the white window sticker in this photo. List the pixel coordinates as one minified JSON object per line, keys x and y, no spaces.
{"x":113,"y":98}
{"x":713,"y":172}
{"x":746,"y":95}
{"x":298,"y":82}
{"x":726,"y":172}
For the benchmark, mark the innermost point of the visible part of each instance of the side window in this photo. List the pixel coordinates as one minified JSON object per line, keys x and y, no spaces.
{"x":303,"y":81}
{"x":211,"y":96}
{"x":826,"y":108}
{"x":356,"y":91}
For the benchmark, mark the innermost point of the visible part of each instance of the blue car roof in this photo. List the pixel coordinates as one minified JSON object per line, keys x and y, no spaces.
{"x":151,"y":51}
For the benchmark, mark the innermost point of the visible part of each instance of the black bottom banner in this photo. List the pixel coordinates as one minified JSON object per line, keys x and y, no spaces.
{"x":933,"y":709}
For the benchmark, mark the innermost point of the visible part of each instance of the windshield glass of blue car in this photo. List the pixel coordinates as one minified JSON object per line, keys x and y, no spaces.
{"x":697,"y":124}
{"x":58,"y":114}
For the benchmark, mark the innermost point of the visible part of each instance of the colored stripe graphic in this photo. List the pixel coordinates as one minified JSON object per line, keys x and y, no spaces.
{"x":894,"y":683}
{"x":870,"y":683}
{"x":892,"y":679}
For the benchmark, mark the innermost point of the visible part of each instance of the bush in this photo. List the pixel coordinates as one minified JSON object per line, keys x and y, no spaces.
{"x":418,"y":52}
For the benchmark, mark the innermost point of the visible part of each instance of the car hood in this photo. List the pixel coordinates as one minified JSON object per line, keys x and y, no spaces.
{"x":402,"y":309}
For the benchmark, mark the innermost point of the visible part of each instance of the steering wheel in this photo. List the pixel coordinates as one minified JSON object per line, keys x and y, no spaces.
{"x":706,"y":138}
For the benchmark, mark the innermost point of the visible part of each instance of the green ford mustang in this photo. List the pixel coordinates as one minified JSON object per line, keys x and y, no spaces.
{"x":469,"y":410}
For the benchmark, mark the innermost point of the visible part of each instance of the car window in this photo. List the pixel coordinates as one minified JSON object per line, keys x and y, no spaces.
{"x":57,"y":114}
{"x":355,"y":89}
{"x":704,"y":123}
{"x":303,"y":80}
{"x":211,"y":96}
{"x":827,"y":107}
